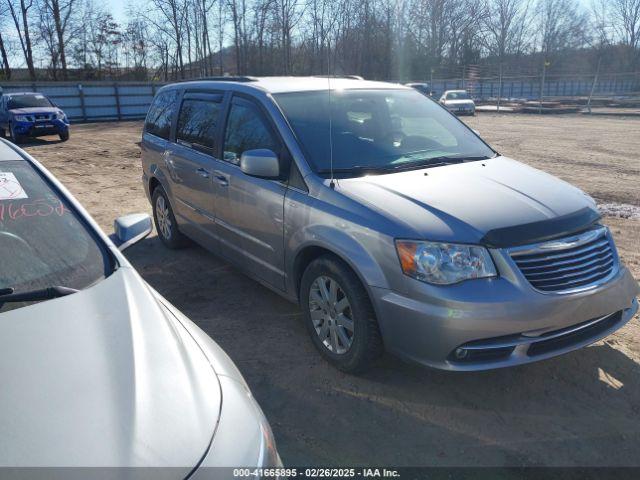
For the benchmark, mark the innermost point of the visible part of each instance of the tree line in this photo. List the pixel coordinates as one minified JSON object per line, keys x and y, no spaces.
{"x":383,"y":39}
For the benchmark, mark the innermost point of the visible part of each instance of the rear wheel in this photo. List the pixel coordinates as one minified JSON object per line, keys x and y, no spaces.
{"x":339,"y":315}
{"x":165,"y":221}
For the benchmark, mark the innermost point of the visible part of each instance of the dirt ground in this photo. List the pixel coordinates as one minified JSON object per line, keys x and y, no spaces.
{"x":579,"y":409}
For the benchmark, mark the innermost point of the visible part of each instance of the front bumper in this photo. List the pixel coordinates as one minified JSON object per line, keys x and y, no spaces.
{"x":430,"y":323}
{"x":38,"y":129}
{"x":462,"y":110}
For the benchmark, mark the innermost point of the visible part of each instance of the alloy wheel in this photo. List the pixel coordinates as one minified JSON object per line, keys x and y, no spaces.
{"x":163,"y":217}
{"x":331,"y":314}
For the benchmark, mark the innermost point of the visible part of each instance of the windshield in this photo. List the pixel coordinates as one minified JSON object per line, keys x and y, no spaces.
{"x":376,"y":130}
{"x":28,"y":101}
{"x":458,"y":96}
{"x":43,"y":242}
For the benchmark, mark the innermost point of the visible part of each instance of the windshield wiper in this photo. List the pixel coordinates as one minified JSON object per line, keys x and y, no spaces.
{"x":424,"y":163}
{"x":436,"y":162}
{"x":7,"y":295}
{"x":361,"y":169}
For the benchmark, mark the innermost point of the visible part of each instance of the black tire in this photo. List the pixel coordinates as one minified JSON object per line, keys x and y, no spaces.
{"x":14,"y":137}
{"x":64,"y":136}
{"x":172,"y":237}
{"x":366,"y":344}
{"x":3,"y":134}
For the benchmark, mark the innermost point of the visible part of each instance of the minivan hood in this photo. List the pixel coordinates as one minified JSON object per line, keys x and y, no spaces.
{"x":465,"y":202}
{"x":34,"y":110}
{"x":104,"y":377}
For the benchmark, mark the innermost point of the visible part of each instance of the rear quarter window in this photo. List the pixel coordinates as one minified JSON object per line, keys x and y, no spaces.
{"x":158,"y":120}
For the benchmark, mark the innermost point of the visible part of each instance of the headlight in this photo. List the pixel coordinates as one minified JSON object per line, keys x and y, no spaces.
{"x":60,"y":115}
{"x":444,"y":263}
{"x":21,"y":118}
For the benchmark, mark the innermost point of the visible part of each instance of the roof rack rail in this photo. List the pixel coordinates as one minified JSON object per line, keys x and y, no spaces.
{"x":347,"y":77}
{"x":229,"y":78}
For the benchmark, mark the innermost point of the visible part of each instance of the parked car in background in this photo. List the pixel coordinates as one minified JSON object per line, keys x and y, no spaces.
{"x":423,"y":88}
{"x":388,"y":220}
{"x":98,"y":369}
{"x":26,"y":115}
{"x":458,"y":102}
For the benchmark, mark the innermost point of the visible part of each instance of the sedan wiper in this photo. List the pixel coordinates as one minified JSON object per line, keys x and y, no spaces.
{"x":7,"y":295}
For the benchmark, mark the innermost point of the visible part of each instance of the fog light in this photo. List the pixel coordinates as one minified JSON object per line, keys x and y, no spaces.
{"x":461,"y":353}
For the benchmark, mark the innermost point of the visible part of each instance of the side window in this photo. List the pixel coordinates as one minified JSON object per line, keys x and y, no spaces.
{"x":247,"y":129}
{"x":197,"y":124}
{"x":160,"y":113}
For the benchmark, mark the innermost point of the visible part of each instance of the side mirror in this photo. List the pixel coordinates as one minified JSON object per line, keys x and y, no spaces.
{"x":130,"y":229}
{"x":262,"y":163}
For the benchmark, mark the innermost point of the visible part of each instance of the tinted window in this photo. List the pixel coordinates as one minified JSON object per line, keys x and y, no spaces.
{"x":28,"y":101}
{"x":376,"y":129}
{"x":42,"y":240}
{"x":247,"y":129}
{"x":160,"y":113}
{"x":197,"y":124}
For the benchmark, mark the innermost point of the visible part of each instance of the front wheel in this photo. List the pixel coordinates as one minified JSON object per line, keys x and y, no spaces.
{"x":64,"y":136}
{"x":15,"y":138}
{"x":339,"y":315}
{"x":165,"y":221}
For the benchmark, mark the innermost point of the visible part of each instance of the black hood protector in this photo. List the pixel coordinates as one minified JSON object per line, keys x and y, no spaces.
{"x":541,"y":231}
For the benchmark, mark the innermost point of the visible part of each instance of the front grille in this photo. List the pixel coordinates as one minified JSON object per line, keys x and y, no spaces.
{"x":43,"y":117}
{"x":580,"y":261}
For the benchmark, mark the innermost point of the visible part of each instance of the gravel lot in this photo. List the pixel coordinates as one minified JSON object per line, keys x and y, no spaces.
{"x":579,"y":409}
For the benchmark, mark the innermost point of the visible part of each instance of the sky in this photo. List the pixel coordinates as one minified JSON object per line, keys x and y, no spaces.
{"x":118,"y":8}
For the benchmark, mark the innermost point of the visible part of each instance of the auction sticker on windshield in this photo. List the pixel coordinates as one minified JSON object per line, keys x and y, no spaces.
{"x":10,"y":188}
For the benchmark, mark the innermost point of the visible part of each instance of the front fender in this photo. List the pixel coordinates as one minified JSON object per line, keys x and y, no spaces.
{"x":347,"y":245}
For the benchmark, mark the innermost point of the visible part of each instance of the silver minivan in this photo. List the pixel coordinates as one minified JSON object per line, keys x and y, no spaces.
{"x":391,"y":223}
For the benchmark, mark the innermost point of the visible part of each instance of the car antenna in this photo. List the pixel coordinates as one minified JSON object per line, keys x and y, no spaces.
{"x":332,"y":183}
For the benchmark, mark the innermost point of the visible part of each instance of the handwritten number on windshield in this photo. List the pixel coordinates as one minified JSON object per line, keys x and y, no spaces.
{"x":36,"y":208}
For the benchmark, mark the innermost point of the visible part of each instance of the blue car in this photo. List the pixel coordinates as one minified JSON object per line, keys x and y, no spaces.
{"x":31,"y":114}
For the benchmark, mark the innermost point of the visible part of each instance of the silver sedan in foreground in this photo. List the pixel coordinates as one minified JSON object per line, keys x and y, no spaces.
{"x":96,"y":368}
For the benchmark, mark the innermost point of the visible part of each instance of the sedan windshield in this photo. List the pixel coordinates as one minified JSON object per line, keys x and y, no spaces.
{"x":43,"y":241}
{"x":377,"y":130}
{"x":458,"y":96}
{"x":28,"y":101}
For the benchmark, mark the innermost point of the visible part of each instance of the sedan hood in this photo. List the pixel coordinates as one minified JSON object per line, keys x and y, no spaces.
{"x":34,"y":110}
{"x":104,"y":377}
{"x":474,"y":201}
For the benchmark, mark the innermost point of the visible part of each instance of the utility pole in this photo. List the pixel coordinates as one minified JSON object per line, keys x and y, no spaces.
{"x":544,"y":72}
{"x":593,"y":86}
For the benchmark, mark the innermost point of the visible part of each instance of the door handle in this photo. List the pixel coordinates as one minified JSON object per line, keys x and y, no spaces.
{"x":202,"y":172}
{"x":222,"y":180}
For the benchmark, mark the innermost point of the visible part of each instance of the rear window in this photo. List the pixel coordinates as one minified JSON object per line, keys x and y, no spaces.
{"x":43,"y":241}
{"x":158,"y":120}
{"x":198,"y":122}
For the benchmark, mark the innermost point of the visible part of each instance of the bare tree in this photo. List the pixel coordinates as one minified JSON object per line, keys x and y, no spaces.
{"x":20,"y":14}
{"x":561,"y":25}
{"x":6,"y":69}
